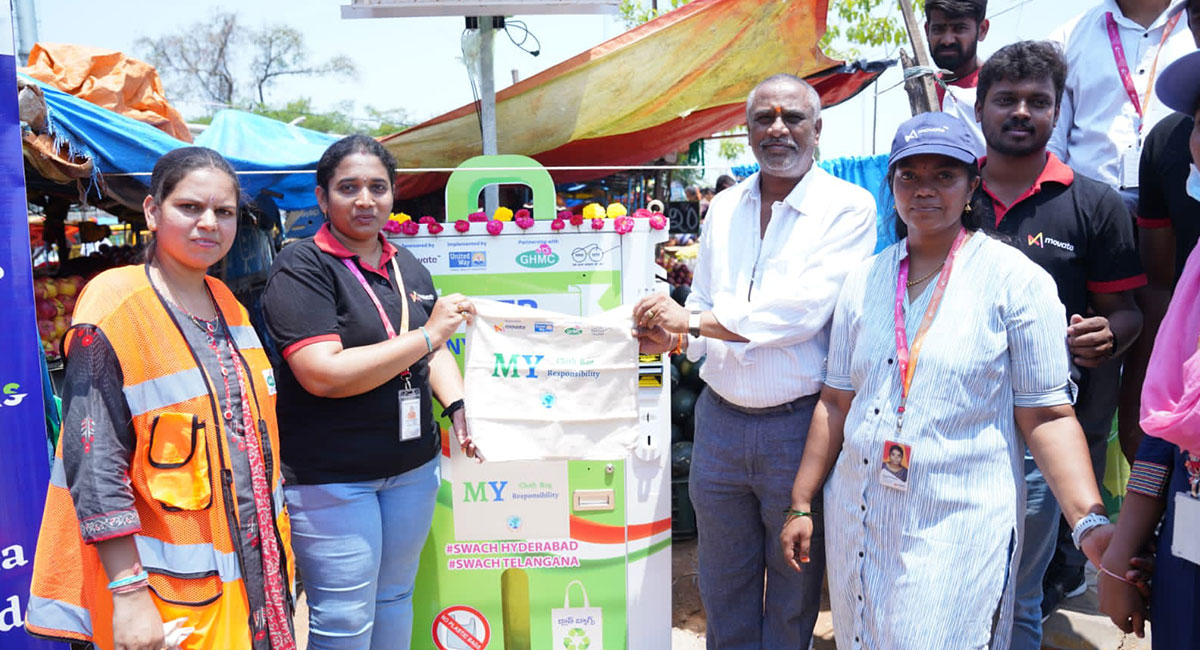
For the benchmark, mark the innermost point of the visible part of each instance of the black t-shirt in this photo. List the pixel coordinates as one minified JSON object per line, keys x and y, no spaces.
{"x":1075,"y":228}
{"x":1163,"y":201}
{"x":311,"y":296}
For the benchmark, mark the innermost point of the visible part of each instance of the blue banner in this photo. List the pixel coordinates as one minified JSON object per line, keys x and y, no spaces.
{"x":24,"y":462}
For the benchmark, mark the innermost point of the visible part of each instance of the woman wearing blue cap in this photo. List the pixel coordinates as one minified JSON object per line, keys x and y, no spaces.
{"x":949,"y":345}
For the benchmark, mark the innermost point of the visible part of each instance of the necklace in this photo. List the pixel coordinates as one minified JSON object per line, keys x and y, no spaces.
{"x":912,"y":283}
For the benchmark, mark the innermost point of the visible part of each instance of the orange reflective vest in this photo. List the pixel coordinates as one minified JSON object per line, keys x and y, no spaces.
{"x":179,"y":474}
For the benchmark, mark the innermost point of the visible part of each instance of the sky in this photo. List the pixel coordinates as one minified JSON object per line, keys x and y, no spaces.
{"x":413,"y":63}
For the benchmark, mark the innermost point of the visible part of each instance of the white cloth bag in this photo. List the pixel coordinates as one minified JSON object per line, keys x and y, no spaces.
{"x":544,"y":385}
{"x":577,"y":628}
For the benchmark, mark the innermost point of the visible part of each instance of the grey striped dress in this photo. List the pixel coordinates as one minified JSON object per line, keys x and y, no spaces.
{"x":931,"y":567}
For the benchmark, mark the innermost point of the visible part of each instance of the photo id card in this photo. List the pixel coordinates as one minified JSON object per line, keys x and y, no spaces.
{"x":893,"y":469}
{"x":410,"y":414}
{"x":1185,"y":542}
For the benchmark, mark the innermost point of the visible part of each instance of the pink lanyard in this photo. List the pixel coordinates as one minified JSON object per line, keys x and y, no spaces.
{"x":387,"y":323}
{"x":1114,"y":37}
{"x":907,"y":365}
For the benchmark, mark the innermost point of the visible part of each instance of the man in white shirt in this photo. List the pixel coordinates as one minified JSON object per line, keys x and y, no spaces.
{"x":774,"y":252}
{"x":954,"y":29}
{"x":1114,"y":51}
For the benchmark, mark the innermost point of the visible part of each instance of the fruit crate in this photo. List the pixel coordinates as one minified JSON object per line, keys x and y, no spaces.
{"x":683,"y":516}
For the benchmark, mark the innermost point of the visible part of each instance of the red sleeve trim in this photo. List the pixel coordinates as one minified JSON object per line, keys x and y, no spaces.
{"x":1117,"y":286}
{"x":303,"y":343}
{"x":1151,"y":224}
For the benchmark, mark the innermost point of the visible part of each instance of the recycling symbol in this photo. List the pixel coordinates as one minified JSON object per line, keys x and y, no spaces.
{"x":576,"y":639}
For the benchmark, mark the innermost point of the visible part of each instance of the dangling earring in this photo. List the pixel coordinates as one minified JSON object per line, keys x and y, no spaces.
{"x":967,"y":209}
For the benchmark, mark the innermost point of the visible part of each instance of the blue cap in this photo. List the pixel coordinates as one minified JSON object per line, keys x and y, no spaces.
{"x":937,"y":133}
{"x":1179,"y":83}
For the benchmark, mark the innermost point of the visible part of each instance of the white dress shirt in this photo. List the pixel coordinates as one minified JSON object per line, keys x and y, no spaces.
{"x":1098,"y":123}
{"x":958,"y":99}
{"x":779,"y":290}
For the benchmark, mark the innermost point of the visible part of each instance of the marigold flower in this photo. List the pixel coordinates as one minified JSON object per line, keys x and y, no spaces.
{"x":594,"y":211}
{"x":502,"y":214}
{"x":615,"y":210}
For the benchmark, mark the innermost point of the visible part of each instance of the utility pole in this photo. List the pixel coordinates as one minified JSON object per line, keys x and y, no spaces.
{"x":487,"y":101}
{"x":922,"y":92}
{"x":25,"y":12}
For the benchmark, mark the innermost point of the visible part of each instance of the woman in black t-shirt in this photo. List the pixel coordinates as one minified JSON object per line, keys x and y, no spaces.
{"x":362,"y":334}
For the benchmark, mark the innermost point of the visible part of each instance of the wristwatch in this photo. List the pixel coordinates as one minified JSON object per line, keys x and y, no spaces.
{"x":1085,"y":525}
{"x":694,"y":324}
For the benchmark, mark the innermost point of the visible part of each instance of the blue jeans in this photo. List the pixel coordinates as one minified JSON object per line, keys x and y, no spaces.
{"x":357,"y":547}
{"x":1041,"y":535}
{"x":741,"y":479}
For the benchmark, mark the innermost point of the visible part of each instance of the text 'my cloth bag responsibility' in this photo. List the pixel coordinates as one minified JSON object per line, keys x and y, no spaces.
{"x":544,"y":385}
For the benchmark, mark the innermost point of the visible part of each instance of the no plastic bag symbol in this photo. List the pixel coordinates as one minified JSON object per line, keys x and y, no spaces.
{"x":461,"y":628}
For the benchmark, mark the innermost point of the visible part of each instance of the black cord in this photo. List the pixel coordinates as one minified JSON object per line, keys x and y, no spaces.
{"x":520,"y":24}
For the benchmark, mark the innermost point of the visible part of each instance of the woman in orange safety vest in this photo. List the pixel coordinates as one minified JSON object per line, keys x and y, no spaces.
{"x":165,"y":507}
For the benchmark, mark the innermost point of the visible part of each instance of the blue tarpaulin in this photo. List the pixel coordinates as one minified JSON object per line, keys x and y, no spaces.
{"x":867,"y":172}
{"x":252,"y":143}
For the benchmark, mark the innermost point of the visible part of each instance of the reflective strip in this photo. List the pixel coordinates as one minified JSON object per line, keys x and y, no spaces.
{"x":245,"y":337}
{"x":277,"y":497}
{"x":165,"y":391}
{"x":58,"y":474}
{"x":58,"y":615}
{"x":186,"y":559}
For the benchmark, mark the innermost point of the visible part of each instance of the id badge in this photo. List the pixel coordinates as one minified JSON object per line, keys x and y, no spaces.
{"x":893,"y":468}
{"x":410,"y":414}
{"x":1185,"y":542}
{"x":1130,"y":160}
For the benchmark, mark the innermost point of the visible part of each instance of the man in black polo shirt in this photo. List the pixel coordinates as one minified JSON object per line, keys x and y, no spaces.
{"x":1079,"y":231}
{"x":1168,"y":223}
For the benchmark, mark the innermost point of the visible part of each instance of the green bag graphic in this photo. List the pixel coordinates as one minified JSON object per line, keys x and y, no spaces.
{"x":576,"y":628}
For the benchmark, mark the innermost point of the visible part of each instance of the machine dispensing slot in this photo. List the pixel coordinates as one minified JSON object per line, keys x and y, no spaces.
{"x":585,"y":500}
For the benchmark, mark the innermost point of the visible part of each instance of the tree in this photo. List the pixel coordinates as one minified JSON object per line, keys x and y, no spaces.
{"x":338,"y":121}
{"x":279,"y":51}
{"x":850,"y":23}
{"x":207,"y":60}
{"x":198,"y":57}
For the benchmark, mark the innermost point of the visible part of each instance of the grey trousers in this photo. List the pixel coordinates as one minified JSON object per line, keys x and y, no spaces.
{"x":741,"y":479}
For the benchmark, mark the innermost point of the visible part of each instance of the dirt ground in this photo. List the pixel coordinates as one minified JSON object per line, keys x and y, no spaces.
{"x":688,"y":613}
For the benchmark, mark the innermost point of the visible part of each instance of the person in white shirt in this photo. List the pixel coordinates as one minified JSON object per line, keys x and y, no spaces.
{"x":774,"y":252}
{"x":954,"y":29}
{"x":1114,"y":51}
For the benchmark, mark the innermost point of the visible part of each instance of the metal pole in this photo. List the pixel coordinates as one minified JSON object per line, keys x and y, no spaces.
{"x":487,"y":103}
{"x":25,"y":12}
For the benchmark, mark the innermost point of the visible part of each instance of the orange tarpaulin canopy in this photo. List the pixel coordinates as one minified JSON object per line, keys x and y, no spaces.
{"x":109,"y":79}
{"x":648,"y":92}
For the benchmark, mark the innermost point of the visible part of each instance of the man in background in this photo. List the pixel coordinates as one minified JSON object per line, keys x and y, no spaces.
{"x":954,"y":29}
